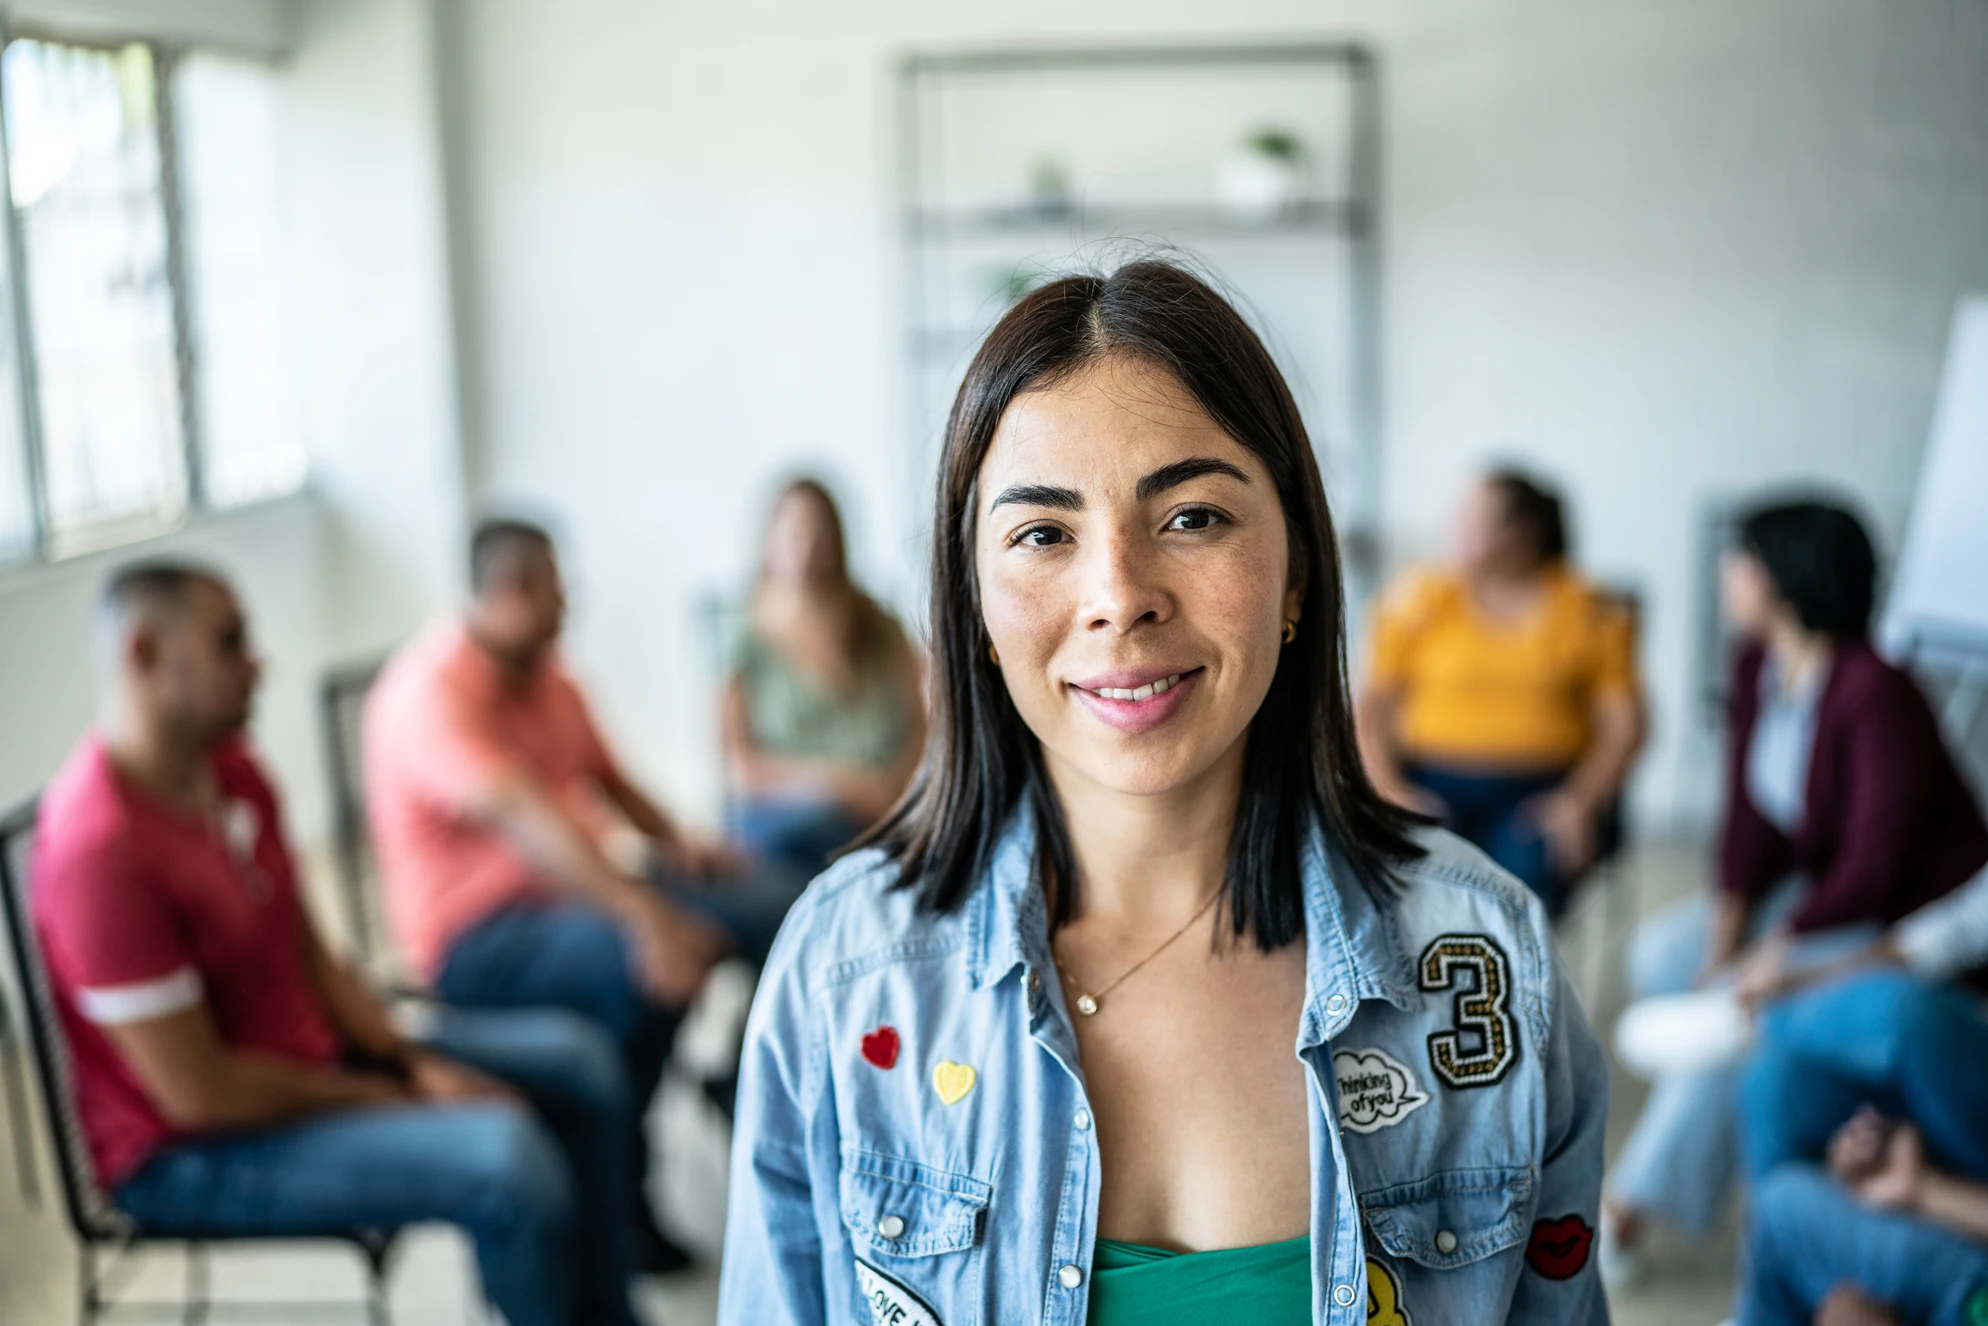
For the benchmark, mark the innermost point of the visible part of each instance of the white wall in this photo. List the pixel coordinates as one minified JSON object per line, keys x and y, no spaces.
{"x":376,"y":338}
{"x":1666,"y":250}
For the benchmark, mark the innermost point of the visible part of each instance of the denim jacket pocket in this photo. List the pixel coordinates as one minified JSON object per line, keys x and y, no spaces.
{"x":899,"y":1208}
{"x":1451,"y":1218}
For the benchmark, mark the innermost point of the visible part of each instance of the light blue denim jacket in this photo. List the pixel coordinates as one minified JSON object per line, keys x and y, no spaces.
{"x":914,"y":1141}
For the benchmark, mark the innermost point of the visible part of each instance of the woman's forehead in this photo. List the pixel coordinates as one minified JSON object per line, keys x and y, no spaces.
{"x":1109,"y":423}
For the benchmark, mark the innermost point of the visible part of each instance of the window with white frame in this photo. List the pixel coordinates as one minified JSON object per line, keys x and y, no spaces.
{"x":145,"y":370}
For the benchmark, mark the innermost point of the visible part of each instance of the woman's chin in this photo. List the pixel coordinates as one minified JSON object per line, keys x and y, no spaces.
{"x":1180,"y":769}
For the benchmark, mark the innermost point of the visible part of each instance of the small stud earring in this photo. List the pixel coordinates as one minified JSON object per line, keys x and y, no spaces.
{"x":1290,"y":632}
{"x":993,"y":657}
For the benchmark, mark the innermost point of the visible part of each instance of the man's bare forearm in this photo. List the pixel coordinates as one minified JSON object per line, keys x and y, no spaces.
{"x":564,"y":853}
{"x":254,"y":1089}
{"x":1955,"y":1204}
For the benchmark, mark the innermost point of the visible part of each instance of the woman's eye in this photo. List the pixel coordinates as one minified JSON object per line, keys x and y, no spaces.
{"x":1040,"y":536}
{"x":1194,"y":518}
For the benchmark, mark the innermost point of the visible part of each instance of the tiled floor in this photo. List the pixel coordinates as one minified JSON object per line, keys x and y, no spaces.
{"x":432,"y":1278}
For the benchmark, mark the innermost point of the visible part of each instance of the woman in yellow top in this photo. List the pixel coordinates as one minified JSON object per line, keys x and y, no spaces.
{"x":1501,"y":694}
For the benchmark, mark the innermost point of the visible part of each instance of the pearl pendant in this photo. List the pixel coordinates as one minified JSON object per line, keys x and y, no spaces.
{"x":1086,"y":1005}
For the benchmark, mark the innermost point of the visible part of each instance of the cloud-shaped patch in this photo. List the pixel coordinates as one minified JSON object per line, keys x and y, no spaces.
{"x":1376,"y":1090}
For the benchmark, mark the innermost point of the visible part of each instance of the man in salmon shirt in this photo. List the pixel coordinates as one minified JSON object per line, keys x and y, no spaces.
{"x":231,"y":1075}
{"x":489,"y":791}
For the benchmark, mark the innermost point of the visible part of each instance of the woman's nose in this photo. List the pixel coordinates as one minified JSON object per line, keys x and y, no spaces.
{"x":1122,"y":585}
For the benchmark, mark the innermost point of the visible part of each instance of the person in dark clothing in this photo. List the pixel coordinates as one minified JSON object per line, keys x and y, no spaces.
{"x":1843,"y":813}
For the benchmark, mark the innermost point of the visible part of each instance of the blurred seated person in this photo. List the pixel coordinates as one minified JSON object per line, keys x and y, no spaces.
{"x":232,"y":1076}
{"x":824,"y":717}
{"x":1501,"y":694}
{"x":1884,"y":1236}
{"x":1843,"y":813}
{"x":1899,"y":1024}
{"x":491,"y":796}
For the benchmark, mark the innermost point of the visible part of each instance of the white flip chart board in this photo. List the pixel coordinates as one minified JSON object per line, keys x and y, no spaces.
{"x":1938,"y":609}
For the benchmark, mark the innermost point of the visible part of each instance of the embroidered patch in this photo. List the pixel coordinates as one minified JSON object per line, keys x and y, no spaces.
{"x":1483,"y":1042}
{"x":880,"y":1047}
{"x":953,"y":1080}
{"x":1558,"y":1249}
{"x":1376,"y":1090}
{"x":891,"y":1304}
{"x":1384,"y":1305}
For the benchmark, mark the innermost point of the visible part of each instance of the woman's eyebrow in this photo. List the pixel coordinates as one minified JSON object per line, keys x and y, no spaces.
{"x":1040,"y":494}
{"x":1178,"y":473}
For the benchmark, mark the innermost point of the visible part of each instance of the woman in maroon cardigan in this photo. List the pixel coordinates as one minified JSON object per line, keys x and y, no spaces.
{"x":1844,"y":812}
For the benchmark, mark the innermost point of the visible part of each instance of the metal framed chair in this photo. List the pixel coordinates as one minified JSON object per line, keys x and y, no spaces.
{"x":341,"y":705}
{"x":106,"y":1237}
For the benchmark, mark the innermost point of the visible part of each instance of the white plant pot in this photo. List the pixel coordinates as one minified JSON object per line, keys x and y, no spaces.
{"x":1255,"y":187}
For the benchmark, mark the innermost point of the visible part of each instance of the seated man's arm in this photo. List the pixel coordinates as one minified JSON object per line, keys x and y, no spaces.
{"x":365,"y":1024}
{"x":198,"y":1083}
{"x":454,"y":754}
{"x":682,"y":850}
{"x":113,"y":927}
{"x":673,"y":949}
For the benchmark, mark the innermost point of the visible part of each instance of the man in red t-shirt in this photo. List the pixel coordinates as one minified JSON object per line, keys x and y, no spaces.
{"x":231,"y":1075}
{"x":489,"y":790}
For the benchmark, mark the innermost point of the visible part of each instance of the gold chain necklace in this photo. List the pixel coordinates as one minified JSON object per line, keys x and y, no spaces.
{"x":1088,"y":1004}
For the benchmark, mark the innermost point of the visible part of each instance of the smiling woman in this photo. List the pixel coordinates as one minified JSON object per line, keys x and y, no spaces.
{"x":1143,"y":1005}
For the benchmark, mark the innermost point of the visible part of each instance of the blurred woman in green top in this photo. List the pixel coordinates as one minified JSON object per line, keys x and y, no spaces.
{"x":824,"y":711}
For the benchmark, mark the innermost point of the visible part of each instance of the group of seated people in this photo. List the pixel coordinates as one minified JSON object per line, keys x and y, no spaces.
{"x":222,"y":1050}
{"x":1850,"y":913}
{"x":233,"y":1075}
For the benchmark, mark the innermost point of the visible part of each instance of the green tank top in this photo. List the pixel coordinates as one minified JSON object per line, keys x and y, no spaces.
{"x":793,"y":714}
{"x":1267,"y":1285}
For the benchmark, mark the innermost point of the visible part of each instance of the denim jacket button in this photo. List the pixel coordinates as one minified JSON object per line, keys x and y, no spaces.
{"x":1083,"y":1121}
{"x":1343,"y":1296}
{"x":1336,"y":1004}
{"x":1071,"y":1276}
{"x":891,"y":1226}
{"x":1445,"y":1242}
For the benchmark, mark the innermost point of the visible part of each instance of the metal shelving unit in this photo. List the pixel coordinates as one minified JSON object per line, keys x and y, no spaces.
{"x":1333,"y":231}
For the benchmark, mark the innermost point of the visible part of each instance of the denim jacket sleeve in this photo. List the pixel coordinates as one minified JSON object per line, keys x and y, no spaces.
{"x":1565,"y":1202}
{"x":772,"y":1271}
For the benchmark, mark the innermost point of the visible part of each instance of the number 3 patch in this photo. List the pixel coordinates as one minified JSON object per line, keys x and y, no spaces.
{"x":1483,"y":1044}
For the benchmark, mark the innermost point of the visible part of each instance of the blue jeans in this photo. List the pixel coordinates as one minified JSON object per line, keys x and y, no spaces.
{"x":573,"y":956}
{"x":797,"y":834}
{"x":1682,"y":1155}
{"x":1915,"y":1051}
{"x":1490,"y":811}
{"x":1808,"y":1236}
{"x":531,"y":1187}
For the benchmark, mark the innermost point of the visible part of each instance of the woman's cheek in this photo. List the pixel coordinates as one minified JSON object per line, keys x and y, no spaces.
{"x":1239,"y":598}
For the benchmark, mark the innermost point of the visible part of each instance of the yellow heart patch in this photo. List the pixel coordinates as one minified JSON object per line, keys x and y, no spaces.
{"x":953,"y":1080}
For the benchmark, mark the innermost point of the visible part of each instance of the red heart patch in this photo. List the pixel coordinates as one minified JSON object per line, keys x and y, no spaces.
{"x":880,"y":1047}
{"x":1559,"y":1248}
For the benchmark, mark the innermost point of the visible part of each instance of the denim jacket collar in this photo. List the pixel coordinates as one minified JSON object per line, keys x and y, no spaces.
{"x":1352,"y":951}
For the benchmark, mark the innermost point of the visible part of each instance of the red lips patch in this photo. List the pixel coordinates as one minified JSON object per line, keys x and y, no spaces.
{"x":1559,"y":1248}
{"x":880,"y":1047}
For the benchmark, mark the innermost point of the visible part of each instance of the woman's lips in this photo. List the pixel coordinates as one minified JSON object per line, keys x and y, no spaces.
{"x":1138,"y":702}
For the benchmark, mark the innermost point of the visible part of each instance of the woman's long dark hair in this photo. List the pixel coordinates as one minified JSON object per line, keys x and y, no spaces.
{"x":1302,"y":766}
